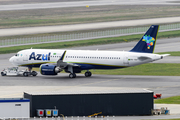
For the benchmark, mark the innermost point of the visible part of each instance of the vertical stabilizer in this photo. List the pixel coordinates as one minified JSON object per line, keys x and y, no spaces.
{"x":147,"y":43}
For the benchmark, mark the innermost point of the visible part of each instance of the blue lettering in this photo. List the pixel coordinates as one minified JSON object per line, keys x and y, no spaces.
{"x":49,"y":56}
{"x":43,"y":57}
{"x":38,"y":57}
{"x":32,"y":56}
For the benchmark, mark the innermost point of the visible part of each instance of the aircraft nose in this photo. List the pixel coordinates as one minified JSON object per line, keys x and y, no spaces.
{"x":11,"y":59}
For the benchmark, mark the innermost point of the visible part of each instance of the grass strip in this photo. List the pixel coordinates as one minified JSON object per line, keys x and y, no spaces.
{"x":79,"y":15}
{"x":169,"y":100}
{"x":59,"y":45}
{"x":176,"y":53}
{"x":170,"y":119}
{"x":155,"y":69}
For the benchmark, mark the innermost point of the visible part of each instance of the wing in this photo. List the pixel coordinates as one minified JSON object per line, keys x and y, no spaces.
{"x":62,"y":64}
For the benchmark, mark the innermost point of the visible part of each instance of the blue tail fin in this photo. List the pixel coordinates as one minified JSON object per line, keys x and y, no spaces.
{"x":148,"y":41}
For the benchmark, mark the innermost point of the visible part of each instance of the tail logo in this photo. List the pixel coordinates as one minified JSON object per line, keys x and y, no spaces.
{"x":149,"y":40}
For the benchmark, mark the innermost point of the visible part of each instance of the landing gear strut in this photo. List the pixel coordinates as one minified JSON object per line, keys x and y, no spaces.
{"x":27,"y":73}
{"x":34,"y":73}
{"x":88,"y":74}
{"x":72,"y":75}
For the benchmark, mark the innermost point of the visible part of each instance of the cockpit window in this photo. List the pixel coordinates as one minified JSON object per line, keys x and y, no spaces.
{"x":16,"y":54}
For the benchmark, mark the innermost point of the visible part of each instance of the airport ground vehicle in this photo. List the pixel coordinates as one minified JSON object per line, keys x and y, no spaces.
{"x":15,"y":72}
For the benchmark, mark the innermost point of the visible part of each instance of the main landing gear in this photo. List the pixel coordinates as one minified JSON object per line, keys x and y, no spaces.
{"x":88,"y":74}
{"x":73,"y":75}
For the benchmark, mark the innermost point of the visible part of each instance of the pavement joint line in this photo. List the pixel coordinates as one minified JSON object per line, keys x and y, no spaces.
{"x":100,"y":82}
{"x":168,"y":86}
{"x":82,"y":85}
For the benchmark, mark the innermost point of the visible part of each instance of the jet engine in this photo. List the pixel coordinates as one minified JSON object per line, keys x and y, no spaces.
{"x":49,"y":69}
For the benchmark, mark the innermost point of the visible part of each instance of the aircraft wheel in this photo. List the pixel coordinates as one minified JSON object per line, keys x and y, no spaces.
{"x":72,"y":75}
{"x":25,"y":74}
{"x":88,"y":74}
{"x":34,"y":73}
{"x":3,"y":74}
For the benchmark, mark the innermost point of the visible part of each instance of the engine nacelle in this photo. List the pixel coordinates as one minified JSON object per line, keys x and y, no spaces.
{"x":48,"y":69}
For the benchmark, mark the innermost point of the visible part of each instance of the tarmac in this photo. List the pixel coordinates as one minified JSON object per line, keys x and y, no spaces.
{"x":168,"y":86}
{"x":85,"y":3}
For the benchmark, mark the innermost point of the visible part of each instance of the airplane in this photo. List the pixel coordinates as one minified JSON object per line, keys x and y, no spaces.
{"x":53,"y":61}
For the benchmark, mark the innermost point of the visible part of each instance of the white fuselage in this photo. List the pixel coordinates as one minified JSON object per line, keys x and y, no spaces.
{"x":98,"y":59}
{"x":40,"y":56}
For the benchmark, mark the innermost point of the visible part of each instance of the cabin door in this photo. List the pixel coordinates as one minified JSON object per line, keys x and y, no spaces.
{"x":125,"y":59}
{"x":25,"y":57}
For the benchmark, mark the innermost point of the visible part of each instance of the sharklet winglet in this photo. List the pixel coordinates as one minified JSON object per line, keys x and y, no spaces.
{"x":62,"y":57}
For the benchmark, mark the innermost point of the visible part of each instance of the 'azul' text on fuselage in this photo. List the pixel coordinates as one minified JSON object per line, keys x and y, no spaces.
{"x":43,"y":57}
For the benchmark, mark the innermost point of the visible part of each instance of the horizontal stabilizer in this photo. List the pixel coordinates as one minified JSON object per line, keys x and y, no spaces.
{"x":142,"y":58}
{"x":164,"y":55}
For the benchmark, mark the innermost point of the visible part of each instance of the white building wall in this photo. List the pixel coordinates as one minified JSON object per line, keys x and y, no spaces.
{"x":14,"y":110}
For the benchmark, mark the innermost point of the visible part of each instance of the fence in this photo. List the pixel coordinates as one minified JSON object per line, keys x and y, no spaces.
{"x":84,"y":35}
